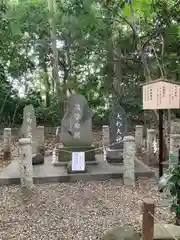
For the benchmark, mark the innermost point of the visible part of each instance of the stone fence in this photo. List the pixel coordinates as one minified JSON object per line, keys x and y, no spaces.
{"x":52,"y":130}
{"x":47,"y":130}
{"x":132,"y":145}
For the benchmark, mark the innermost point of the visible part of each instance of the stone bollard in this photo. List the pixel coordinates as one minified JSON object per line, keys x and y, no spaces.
{"x":40,"y":137}
{"x":7,"y":144}
{"x":151,"y":137}
{"x":174,"y":149}
{"x":129,"y":160}
{"x":139,"y":137}
{"x":26,"y":168}
{"x":105,"y":133}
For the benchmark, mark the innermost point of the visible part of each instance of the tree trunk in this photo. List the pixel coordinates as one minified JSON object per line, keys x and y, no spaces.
{"x":55,"y":67}
{"x":109,"y":46}
{"x":47,"y":85}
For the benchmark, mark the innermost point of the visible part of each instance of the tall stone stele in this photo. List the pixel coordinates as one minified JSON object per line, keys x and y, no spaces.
{"x":29,"y":130}
{"x":118,"y":129}
{"x":76,"y":131}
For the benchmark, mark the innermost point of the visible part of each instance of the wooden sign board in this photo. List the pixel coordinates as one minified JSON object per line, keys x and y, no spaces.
{"x":161,"y":94}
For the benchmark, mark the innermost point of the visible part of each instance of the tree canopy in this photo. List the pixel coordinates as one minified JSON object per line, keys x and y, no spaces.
{"x":104,"y":50}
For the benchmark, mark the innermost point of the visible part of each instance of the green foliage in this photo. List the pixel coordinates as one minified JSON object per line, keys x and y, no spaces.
{"x":174,"y":186}
{"x":100,"y":56}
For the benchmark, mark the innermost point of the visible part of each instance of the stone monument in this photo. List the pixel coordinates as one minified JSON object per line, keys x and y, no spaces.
{"x":76,"y":131}
{"x":29,"y":130}
{"x":118,"y":129}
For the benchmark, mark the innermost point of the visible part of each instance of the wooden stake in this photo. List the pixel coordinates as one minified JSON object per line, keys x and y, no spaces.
{"x":148,"y":220}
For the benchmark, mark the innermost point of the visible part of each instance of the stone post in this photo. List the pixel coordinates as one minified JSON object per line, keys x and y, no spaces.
{"x":129,"y":160}
{"x":40,"y":137}
{"x":105,"y":135}
{"x":174,"y":149}
{"x":26,"y":168}
{"x":7,"y":144}
{"x":151,"y":137}
{"x":139,"y":137}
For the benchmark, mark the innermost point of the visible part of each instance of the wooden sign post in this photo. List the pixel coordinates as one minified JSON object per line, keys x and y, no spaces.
{"x":158,"y":95}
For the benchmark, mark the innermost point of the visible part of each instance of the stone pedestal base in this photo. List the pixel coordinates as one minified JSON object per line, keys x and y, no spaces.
{"x":65,"y":154}
{"x":114,"y":156}
{"x":69,"y":169}
{"x":41,"y":150}
{"x":37,"y":159}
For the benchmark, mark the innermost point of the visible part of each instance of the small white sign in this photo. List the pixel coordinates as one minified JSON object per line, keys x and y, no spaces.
{"x":78,"y":161}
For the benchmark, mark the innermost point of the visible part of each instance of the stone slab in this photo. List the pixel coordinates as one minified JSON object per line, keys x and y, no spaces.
{"x":115,"y":156}
{"x":57,"y":163}
{"x":65,"y":153}
{"x":121,"y":233}
{"x":47,"y":173}
{"x":168,"y":232}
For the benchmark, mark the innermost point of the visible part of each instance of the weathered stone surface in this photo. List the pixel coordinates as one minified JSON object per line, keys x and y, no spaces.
{"x":139,"y":137}
{"x":7,"y":144}
{"x":161,"y":234}
{"x":121,"y":233}
{"x":151,"y":138}
{"x":129,"y":160}
{"x":69,"y":169}
{"x":26,"y":170}
{"x":118,"y":129}
{"x":115,"y":156}
{"x":65,"y":153}
{"x":41,"y":150}
{"x":28,"y":128}
{"x":40,"y":138}
{"x":118,"y":126}
{"x":105,"y":135}
{"x":76,"y":125}
{"x":37,"y":159}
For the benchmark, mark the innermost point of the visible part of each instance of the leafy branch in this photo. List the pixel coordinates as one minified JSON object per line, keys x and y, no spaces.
{"x":174,"y":186}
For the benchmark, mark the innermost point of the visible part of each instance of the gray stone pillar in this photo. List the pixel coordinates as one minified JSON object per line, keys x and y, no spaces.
{"x":105,"y":135}
{"x":129,"y":160}
{"x":139,"y":137}
{"x":40,"y":133}
{"x":40,"y":139}
{"x":174,"y":149}
{"x":151,"y":137}
{"x":7,"y":144}
{"x":26,"y":168}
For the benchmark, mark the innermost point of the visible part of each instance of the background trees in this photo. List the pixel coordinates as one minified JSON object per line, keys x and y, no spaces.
{"x":104,"y":49}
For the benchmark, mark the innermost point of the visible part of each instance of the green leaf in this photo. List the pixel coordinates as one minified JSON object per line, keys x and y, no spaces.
{"x":15,"y":29}
{"x":173,"y":189}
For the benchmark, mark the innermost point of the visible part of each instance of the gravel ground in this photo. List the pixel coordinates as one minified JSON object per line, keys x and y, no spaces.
{"x":73,"y":211}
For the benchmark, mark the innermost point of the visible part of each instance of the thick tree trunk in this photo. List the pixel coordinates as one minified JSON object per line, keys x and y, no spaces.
{"x":55,"y":67}
{"x":47,"y":86}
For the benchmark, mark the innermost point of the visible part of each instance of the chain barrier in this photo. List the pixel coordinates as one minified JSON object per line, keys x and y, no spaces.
{"x":139,"y":185}
{"x":157,"y":206}
{"x":155,"y":146}
{"x":150,"y":196}
{"x":99,"y":148}
{"x":162,"y":226}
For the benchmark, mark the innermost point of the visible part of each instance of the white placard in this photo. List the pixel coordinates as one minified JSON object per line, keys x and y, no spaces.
{"x":78,"y":161}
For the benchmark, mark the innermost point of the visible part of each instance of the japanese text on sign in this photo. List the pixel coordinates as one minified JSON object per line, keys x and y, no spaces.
{"x":29,"y":128}
{"x":78,"y":161}
{"x":77,"y":117}
{"x":118,"y":128}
